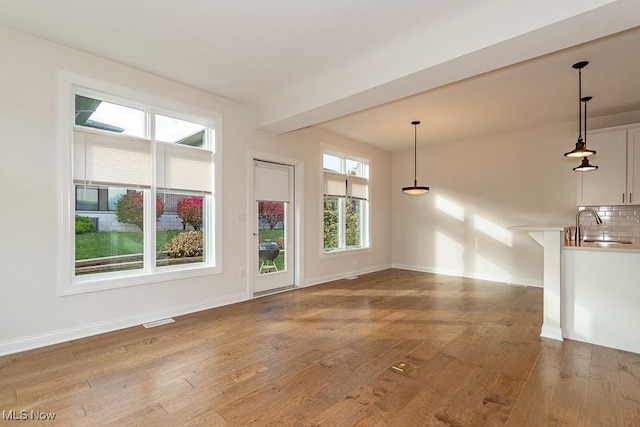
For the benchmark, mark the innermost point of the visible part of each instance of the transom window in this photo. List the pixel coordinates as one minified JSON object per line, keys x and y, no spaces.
{"x":345,"y":202}
{"x":143,"y":191}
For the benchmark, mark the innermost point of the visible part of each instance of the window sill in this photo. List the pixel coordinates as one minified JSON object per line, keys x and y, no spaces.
{"x":343,"y":252}
{"x":109,"y":281}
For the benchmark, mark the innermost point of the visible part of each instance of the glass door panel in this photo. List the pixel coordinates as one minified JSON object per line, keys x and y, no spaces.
{"x":272,"y":237}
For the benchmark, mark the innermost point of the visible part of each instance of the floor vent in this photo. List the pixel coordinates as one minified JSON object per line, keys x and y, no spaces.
{"x":158,"y":323}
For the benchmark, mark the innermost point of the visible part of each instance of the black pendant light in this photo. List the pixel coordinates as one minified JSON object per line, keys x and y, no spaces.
{"x":415,"y":190}
{"x":581,"y":149}
{"x":585,"y":166}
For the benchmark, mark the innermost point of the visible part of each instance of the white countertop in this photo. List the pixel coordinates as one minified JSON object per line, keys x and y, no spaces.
{"x":539,"y":227}
{"x":607,"y":247}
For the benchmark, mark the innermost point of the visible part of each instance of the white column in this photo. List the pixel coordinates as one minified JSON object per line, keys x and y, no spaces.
{"x":551,"y":327}
{"x":551,"y":238}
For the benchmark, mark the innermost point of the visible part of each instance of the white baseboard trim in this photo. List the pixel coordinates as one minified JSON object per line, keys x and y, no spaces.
{"x":551,"y":332}
{"x":471,"y":275}
{"x":344,"y":275}
{"x":83,"y":331}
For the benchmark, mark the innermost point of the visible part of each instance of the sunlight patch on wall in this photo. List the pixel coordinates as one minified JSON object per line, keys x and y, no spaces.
{"x":452,"y":209}
{"x":449,"y":253}
{"x":493,"y":230}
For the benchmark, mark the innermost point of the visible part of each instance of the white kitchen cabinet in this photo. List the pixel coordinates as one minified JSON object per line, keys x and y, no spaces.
{"x":633,"y":179}
{"x":618,"y":160}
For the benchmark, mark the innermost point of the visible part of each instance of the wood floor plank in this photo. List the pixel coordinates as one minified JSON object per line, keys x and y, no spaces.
{"x":498,"y":404}
{"x":533,"y":404}
{"x":465,"y":352}
{"x":420,"y":411}
{"x":604,"y":400}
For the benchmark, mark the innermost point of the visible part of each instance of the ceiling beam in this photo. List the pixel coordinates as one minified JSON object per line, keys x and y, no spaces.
{"x":503,"y":34}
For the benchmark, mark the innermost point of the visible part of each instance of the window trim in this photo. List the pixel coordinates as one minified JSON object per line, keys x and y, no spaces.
{"x":345,"y":251}
{"x":68,"y":284}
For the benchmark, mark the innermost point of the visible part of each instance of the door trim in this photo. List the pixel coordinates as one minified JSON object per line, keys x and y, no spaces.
{"x":298,"y":185}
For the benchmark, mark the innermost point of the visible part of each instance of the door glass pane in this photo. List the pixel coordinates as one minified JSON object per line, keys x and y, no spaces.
{"x":272,"y":236}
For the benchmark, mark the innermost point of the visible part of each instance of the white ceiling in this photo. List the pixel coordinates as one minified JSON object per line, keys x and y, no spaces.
{"x":367,"y":68}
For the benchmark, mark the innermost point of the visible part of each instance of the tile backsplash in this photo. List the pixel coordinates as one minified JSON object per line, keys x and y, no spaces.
{"x":620,"y":222}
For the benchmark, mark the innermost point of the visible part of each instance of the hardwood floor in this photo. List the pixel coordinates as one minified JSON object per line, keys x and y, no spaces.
{"x":395,"y":348}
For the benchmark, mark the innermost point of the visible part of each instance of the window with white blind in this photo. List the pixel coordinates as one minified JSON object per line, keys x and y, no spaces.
{"x":143,"y":198}
{"x":345,"y":202}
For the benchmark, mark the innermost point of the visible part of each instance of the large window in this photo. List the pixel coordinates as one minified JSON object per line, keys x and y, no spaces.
{"x":346,"y":202}
{"x":143,"y":182}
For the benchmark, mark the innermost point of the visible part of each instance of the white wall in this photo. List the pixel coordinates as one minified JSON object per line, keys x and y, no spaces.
{"x":32,"y":314}
{"x":478,"y":189}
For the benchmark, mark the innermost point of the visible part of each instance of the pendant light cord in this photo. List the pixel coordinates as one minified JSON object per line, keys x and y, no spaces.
{"x":586,"y":99}
{"x":415,"y":155}
{"x":579,"y":101}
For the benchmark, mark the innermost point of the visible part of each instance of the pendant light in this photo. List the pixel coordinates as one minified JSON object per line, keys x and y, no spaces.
{"x":581,"y":149}
{"x":585,"y":166}
{"x":415,"y":190}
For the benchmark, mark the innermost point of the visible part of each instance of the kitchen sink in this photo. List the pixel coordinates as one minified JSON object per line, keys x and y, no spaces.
{"x":616,"y":242}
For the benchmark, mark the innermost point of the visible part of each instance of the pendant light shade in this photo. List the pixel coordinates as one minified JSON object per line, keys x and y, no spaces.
{"x":581,"y":150}
{"x":415,"y":190}
{"x":585,"y":166}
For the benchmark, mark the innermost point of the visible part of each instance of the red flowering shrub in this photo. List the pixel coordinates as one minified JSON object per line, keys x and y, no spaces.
{"x":129,"y":209}
{"x":190,"y":211}
{"x":271,"y":213}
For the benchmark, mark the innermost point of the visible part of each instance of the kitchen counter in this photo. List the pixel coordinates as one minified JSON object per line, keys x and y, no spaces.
{"x":600,"y":295}
{"x":591,"y":291}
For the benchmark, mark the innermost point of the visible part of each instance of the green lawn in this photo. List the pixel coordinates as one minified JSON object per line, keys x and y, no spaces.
{"x":112,"y":243}
{"x":271,"y":235}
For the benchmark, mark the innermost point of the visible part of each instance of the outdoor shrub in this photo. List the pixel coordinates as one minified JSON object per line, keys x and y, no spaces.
{"x":330,"y":223}
{"x":84,"y":225}
{"x":190,"y":211}
{"x":187,"y":244}
{"x":129,"y":209}
{"x":352,"y":217}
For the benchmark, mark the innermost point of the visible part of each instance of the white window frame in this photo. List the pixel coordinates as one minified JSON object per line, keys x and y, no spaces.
{"x":343,"y":250}
{"x":68,"y":85}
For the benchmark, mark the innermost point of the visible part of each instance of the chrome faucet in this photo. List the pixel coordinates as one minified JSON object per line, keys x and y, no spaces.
{"x":594,"y":213}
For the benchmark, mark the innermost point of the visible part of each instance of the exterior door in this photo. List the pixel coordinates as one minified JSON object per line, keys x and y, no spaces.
{"x":273,"y":218}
